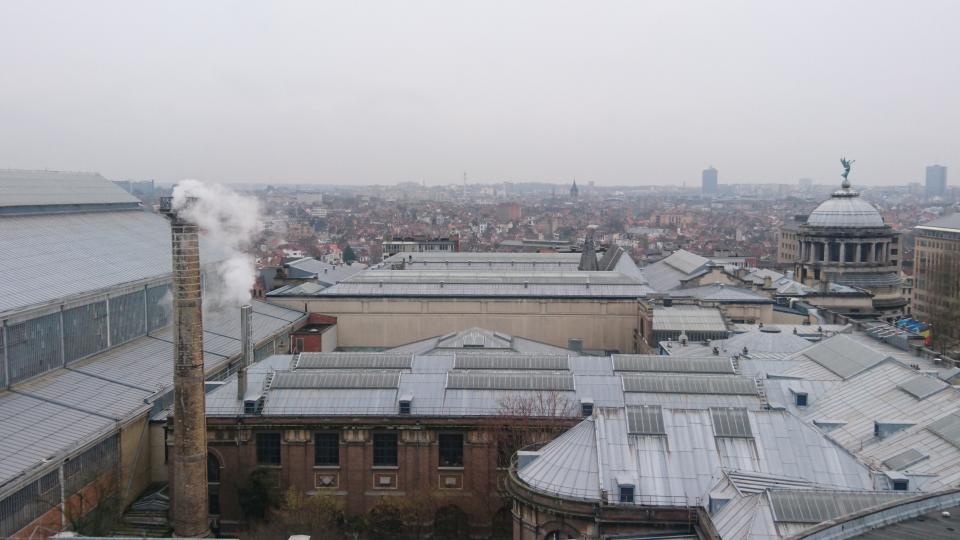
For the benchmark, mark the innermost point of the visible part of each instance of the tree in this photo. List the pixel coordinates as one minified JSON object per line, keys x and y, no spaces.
{"x":530,"y":418}
{"x":348,"y":255}
{"x":256,"y":495}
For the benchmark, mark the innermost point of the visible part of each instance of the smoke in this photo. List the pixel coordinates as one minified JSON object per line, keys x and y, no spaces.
{"x":231,"y":223}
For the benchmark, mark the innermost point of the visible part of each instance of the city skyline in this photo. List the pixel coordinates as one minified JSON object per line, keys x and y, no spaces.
{"x":620,"y":93}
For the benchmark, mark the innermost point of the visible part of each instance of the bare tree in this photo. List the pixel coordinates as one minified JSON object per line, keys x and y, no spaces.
{"x":531,"y":417}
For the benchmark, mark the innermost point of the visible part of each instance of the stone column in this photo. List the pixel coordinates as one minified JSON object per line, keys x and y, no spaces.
{"x":870,"y":252}
{"x":843,"y":252}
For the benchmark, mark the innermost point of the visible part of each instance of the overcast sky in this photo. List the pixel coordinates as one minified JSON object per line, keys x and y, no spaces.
{"x":626,"y":93}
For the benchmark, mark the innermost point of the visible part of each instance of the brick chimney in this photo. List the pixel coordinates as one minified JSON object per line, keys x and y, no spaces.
{"x":189,"y":455}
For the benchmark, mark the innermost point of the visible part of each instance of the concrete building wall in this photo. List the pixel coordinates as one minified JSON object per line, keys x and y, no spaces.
{"x":602,"y":324}
{"x":135,"y":469}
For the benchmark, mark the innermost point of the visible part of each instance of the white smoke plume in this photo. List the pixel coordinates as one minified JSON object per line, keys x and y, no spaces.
{"x":230,"y":222}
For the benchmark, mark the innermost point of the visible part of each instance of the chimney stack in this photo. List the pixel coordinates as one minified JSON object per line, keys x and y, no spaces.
{"x":246,"y":340}
{"x":189,"y":454}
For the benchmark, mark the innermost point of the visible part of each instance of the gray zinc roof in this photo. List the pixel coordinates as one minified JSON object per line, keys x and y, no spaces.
{"x":81,"y":253}
{"x":32,"y":189}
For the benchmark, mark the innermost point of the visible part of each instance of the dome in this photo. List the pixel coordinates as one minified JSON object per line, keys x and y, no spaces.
{"x":845,"y":209}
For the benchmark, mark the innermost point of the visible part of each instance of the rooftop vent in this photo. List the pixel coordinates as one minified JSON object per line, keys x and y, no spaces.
{"x":885,"y":428}
{"x":586,"y":407}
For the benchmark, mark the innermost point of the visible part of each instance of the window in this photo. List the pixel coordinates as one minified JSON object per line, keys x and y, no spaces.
{"x":801,"y":399}
{"x":451,"y":449}
{"x":299,"y":345}
{"x":626,"y":494}
{"x":213,"y":469}
{"x":268,"y":448}
{"x":901,"y":485}
{"x":326,"y":449}
{"x":384,"y":449}
{"x":586,"y":408}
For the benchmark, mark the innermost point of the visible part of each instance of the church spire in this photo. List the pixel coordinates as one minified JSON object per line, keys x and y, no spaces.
{"x":588,"y":259}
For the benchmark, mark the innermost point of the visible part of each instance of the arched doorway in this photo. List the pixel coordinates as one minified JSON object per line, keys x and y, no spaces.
{"x":450,"y":523}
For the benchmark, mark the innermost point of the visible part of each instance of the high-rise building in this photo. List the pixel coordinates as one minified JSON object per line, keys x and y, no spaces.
{"x":935,"y":295}
{"x":936,"y":180}
{"x":710,"y":180}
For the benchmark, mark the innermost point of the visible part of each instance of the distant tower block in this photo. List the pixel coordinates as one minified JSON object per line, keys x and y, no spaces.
{"x":710,"y":181}
{"x":189,"y":455}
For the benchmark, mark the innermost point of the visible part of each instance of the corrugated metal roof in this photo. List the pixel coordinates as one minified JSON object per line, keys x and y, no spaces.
{"x":510,"y":381}
{"x":568,"y":465}
{"x":81,"y":254}
{"x":347,"y":360}
{"x":645,"y":420}
{"x":307,"y":380}
{"x":731,"y":422}
{"x":844,"y":356}
{"x":668,"y":364}
{"x":688,"y":319}
{"x":550,"y":362}
{"x":56,"y":188}
{"x":809,"y":506}
{"x":948,"y":428}
{"x":689,"y":384}
{"x":34,"y":431}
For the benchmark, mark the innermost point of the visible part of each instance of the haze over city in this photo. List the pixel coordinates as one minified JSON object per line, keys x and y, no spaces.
{"x":620,"y":93}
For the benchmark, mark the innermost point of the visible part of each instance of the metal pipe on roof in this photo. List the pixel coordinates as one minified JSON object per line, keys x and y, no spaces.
{"x":246,"y":343}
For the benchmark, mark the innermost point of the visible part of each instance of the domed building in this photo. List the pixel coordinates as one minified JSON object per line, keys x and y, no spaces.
{"x":846,"y":241}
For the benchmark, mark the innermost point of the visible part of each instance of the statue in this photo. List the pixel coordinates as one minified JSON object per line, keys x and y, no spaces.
{"x":846,"y":171}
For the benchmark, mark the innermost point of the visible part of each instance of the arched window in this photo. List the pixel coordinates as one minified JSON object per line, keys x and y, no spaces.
{"x":213,"y":469}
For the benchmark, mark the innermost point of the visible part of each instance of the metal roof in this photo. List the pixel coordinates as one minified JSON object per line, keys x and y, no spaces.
{"x":844,"y":212}
{"x":347,"y":360}
{"x":475,"y":337}
{"x":550,"y":362}
{"x":678,"y":464}
{"x":813,"y":506}
{"x":947,"y":428}
{"x":949,"y":222}
{"x":669,"y":364}
{"x":904,"y":459}
{"x":689,"y":319}
{"x":55,"y":188}
{"x":722,"y":293}
{"x":82,"y":254}
{"x":679,"y":384}
{"x":510,"y":381}
{"x":923,"y":386}
{"x":645,"y":420}
{"x":731,"y":422}
{"x":307,"y":380}
{"x":844,"y":356}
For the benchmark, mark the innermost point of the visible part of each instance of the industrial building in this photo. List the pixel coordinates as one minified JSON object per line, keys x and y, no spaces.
{"x":86,"y":347}
{"x":541,"y":296}
{"x":718,"y":445}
